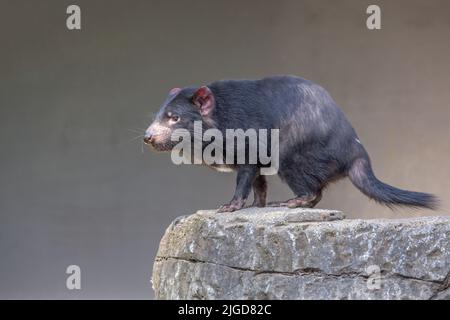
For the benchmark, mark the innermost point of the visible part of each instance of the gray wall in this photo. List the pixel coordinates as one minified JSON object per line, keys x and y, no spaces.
{"x":75,"y":190}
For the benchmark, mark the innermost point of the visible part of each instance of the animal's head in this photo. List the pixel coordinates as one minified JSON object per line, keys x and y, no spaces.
{"x":180,"y":110}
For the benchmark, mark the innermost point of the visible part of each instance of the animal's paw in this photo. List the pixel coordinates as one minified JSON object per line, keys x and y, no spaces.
{"x":291,"y":203}
{"x":232,"y":206}
{"x":299,"y":202}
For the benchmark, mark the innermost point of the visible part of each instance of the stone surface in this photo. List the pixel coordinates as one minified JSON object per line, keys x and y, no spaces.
{"x":279,"y":253}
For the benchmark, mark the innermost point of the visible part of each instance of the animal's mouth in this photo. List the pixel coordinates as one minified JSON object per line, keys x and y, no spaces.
{"x":157,"y":146}
{"x":148,"y":140}
{"x":161,"y":148}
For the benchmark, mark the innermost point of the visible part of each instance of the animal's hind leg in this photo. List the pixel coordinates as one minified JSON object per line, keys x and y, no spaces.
{"x":305,"y":178}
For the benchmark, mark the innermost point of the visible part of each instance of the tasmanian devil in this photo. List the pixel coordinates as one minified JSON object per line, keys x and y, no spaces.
{"x":317,"y":144}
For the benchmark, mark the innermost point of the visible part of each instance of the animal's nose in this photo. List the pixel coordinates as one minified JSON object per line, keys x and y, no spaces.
{"x":148,"y":138}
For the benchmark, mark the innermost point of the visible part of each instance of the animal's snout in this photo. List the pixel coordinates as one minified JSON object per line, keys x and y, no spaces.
{"x":156,"y":134}
{"x":149,"y":136}
{"x":148,"y":139}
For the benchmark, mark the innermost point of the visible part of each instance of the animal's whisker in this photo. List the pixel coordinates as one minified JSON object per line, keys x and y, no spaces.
{"x":136,"y":131}
{"x":137,"y":137}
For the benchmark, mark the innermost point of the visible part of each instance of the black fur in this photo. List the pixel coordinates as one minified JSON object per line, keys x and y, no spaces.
{"x":317,"y":143}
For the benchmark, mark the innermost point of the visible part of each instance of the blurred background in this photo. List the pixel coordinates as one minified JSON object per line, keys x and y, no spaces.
{"x":76,"y":188}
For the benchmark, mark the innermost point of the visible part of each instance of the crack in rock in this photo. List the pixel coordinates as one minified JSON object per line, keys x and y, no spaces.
{"x":310,"y":271}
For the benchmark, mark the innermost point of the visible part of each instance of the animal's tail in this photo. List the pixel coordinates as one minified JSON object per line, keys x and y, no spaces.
{"x":363,"y":178}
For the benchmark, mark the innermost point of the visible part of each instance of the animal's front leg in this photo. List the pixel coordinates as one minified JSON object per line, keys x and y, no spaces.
{"x":245,"y":178}
{"x":259,"y":191}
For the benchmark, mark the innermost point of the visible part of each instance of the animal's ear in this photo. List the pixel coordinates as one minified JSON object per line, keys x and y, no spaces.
{"x":203,"y":98}
{"x":174,"y":91}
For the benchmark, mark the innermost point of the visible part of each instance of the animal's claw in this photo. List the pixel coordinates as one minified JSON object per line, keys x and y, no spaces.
{"x":232,"y":206}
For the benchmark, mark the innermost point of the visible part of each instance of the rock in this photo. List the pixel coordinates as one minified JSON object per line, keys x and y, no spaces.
{"x":279,"y":253}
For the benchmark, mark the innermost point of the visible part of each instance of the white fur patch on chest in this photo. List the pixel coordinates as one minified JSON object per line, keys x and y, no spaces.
{"x":222,"y":168}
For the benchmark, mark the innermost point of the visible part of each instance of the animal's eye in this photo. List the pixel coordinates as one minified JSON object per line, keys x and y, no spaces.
{"x":174,"y":119}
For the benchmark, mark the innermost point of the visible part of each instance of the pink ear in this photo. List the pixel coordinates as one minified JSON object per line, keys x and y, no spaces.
{"x":204,"y":99}
{"x":174,"y":91}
